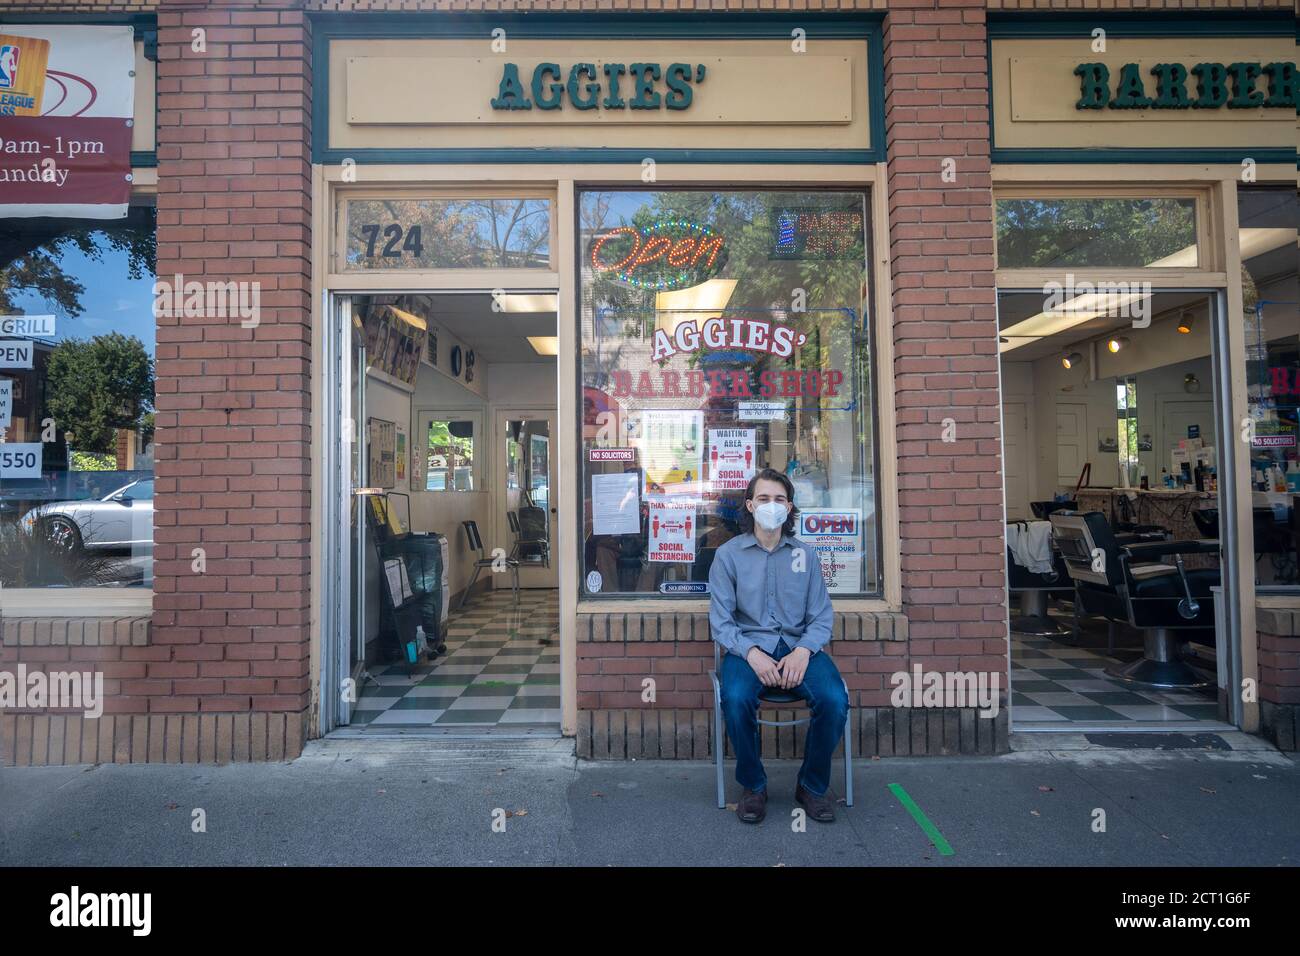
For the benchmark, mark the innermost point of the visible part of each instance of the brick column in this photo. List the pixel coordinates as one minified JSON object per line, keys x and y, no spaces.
{"x":945,"y":334}
{"x":233,"y":420}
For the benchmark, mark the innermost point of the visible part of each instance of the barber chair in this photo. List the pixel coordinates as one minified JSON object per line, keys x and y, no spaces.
{"x":1043,"y":509}
{"x":1145,"y":585}
{"x":1034,"y":589}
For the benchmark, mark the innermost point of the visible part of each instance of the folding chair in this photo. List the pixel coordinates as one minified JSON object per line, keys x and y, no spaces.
{"x":772,"y":695}
{"x":527,"y":548}
{"x":476,"y":544}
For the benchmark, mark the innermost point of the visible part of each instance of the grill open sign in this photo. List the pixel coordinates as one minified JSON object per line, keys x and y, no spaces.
{"x":20,"y":460}
{"x":16,"y":353}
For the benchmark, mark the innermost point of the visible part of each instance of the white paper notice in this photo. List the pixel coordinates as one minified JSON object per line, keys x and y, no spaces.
{"x":672,"y":530}
{"x":16,"y":353}
{"x":616,"y":503}
{"x":6,"y":401}
{"x":21,"y":460}
{"x":836,"y":536}
{"x":761,"y":411}
{"x":732,"y":456}
{"x":672,"y":450}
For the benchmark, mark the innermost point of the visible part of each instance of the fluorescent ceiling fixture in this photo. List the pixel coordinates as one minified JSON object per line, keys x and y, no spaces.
{"x":530,"y":302}
{"x":1084,"y":308}
{"x":699,"y":302}
{"x":545,"y":344}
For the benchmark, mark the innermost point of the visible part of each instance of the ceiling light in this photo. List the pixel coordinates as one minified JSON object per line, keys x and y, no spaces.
{"x":1115,"y":344}
{"x":545,"y":344}
{"x":528,"y":302}
{"x":1185,"y":323}
{"x":1071,"y":359}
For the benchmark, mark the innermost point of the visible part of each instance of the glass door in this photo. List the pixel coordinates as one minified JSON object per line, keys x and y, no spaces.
{"x":527,"y":500}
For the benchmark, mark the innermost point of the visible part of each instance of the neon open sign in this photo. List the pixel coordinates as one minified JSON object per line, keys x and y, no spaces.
{"x":664,"y":255}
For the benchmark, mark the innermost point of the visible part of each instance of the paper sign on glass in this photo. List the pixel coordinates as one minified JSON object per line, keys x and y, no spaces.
{"x":836,"y":536}
{"x":672,"y":450}
{"x":21,"y":460}
{"x":616,"y":503}
{"x":732,"y":458}
{"x":672,"y":530}
{"x":6,"y":401}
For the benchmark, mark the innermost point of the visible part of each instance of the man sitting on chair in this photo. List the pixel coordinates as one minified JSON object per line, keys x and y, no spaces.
{"x":772,"y":618}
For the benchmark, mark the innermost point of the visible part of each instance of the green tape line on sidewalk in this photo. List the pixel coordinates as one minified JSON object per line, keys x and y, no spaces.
{"x":922,"y":820}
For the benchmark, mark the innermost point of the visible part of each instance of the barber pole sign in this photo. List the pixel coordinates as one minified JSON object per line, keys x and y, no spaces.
{"x":67,"y":106}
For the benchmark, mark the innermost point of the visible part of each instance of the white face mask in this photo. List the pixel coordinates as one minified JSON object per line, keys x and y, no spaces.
{"x":770,"y":515}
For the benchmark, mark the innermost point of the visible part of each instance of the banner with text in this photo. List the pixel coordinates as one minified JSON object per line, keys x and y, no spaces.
{"x":66,"y":105}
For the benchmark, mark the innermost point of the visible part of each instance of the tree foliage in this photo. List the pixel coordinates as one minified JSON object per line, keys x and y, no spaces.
{"x":96,"y":386}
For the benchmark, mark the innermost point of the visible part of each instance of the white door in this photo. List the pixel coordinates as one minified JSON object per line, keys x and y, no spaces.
{"x":1174,"y":416}
{"x":1071,"y":442}
{"x":526,"y":489}
{"x":1015,"y":459}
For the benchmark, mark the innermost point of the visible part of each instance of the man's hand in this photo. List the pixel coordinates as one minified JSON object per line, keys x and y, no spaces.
{"x":768,"y":670}
{"x":793,"y":666}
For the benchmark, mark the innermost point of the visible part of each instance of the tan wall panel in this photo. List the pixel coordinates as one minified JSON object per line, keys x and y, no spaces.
{"x":1035,"y":89}
{"x":427,"y":94}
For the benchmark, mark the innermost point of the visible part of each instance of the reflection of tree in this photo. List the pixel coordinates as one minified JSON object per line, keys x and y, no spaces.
{"x":456,"y":234}
{"x":97,"y":386}
{"x":1034,"y":233}
{"x":32,"y":253}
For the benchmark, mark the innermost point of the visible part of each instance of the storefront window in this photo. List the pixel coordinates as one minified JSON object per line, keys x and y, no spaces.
{"x":1267,"y":220}
{"x":722,"y":332}
{"x":76,"y":402}
{"x":511,"y":233}
{"x":1047,"y":233}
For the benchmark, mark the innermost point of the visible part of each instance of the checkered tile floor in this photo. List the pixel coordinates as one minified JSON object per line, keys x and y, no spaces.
{"x":1051,"y":681}
{"x":501,"y":670}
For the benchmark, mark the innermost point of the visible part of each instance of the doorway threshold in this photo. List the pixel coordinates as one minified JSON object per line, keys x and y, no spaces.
{"x":1122,"y":727}
{"x":498,"y":732}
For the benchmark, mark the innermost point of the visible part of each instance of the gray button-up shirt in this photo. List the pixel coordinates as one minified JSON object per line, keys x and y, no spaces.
{"x":758,"y":598}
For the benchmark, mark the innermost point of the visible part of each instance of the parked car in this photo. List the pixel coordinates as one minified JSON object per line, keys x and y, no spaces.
{"x":121,"y":520}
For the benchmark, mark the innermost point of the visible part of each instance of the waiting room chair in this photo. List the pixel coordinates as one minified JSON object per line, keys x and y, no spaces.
{"x":772,"y":695}
{"x":1133,"y":583}
{"x":528,"y":547}
{"x":476,"y":544}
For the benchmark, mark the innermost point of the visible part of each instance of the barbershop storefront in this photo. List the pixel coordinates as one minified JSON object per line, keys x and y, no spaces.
{"x":535,"y":297}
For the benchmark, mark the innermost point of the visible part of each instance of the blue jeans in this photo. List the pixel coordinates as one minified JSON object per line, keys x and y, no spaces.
{"x":822,"y":688}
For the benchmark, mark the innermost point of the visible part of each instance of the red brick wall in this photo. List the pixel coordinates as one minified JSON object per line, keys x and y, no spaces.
{"x":945,"y":335}
{"x":233,"y":422}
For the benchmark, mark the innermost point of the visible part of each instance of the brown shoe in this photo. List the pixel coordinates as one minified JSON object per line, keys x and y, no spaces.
{"x":752,"y":807}
{"x":820,"y":809}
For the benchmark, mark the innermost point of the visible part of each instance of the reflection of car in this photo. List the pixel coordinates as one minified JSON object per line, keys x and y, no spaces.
{"x":121,"y":519}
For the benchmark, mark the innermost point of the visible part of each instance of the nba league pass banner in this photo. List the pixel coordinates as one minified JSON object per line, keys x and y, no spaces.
{"x":66,"y":107}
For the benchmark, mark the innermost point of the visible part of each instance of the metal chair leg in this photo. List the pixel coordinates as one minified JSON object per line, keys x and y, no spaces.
{"x":848,"y":758}
{"x":465,"y":594}
{"x":516,"y":584}
{"x":717,"y":745}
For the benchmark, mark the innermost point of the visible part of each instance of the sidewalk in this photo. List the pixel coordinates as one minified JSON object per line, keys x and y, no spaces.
{"x":431,"y":803}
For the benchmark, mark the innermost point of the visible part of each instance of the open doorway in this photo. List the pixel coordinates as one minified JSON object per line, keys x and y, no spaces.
{"x":1112,"y":415}
{"x":454,"y":613}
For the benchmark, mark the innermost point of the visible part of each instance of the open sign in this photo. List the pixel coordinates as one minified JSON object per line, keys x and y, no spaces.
{"x":830,"y":523}
{"x":663,"y":255}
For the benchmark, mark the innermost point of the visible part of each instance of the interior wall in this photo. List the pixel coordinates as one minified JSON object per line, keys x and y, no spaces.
{"x":1159,"y":356}
{"x":510,"y":385}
